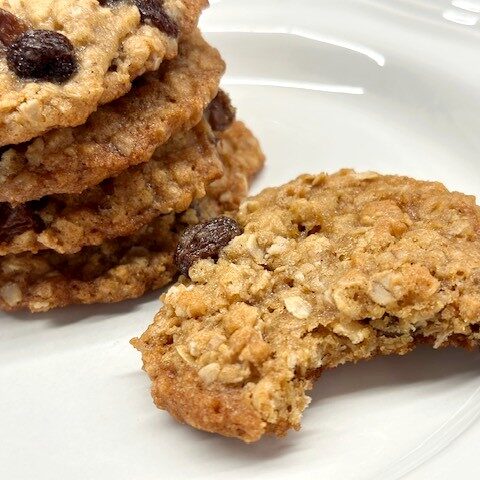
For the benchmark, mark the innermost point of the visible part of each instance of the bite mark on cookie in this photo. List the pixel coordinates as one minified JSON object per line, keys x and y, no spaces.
{"x":329,"y":269}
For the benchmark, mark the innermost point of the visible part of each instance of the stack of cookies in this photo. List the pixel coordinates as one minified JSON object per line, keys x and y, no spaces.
{"x":114,"y":137}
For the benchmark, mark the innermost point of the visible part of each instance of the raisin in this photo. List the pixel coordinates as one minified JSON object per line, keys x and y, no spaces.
{"x":42,"y":55}
{"x":107,"y":186}
{"x":204,"y":240}
{"x":17,"y":220}
{"x":10,"y":27}
{"x":220,"y":114}
{"x":152,"y":11}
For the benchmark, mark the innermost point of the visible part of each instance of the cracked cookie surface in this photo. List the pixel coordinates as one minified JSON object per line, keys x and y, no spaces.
{"x":112,"y":44}
{"x":127,"y":267}
{"x":121,"y":134}
{"x":178,"y":173}
{"x":329,"y":269}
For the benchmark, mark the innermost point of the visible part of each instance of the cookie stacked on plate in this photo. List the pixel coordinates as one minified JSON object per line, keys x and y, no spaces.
{"x":114,"y":137}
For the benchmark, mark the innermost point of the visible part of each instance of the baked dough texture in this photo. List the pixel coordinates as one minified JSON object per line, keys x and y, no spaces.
{"x":329,"y":269}
{"x":178,"y":173}
{"x":112,"y":47}
{"x":128,"y":267}
{"x":118,"y":135}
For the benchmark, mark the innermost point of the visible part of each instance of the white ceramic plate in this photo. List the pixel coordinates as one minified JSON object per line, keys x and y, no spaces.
{"x":387,"y":85}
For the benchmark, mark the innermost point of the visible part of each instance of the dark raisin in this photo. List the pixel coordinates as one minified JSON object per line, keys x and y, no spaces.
{"x":40,"y":204}
{"x":42,"y":55}
{"x":204,"y":240}
{"x":17,"y":220}
{"x":152,"y":11}
{"x":108,"y":3}
{"x":10,"y":27}
{"x":220,"y":114}
{"x":108,"y":186}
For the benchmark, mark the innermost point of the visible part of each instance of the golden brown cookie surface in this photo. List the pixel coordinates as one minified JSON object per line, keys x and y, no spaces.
{"x":178,"y":172}
{"x":61,"y":59}
{"x":127,"y":267}
{"x":118,"y":135}
{"x":329,"y":269}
